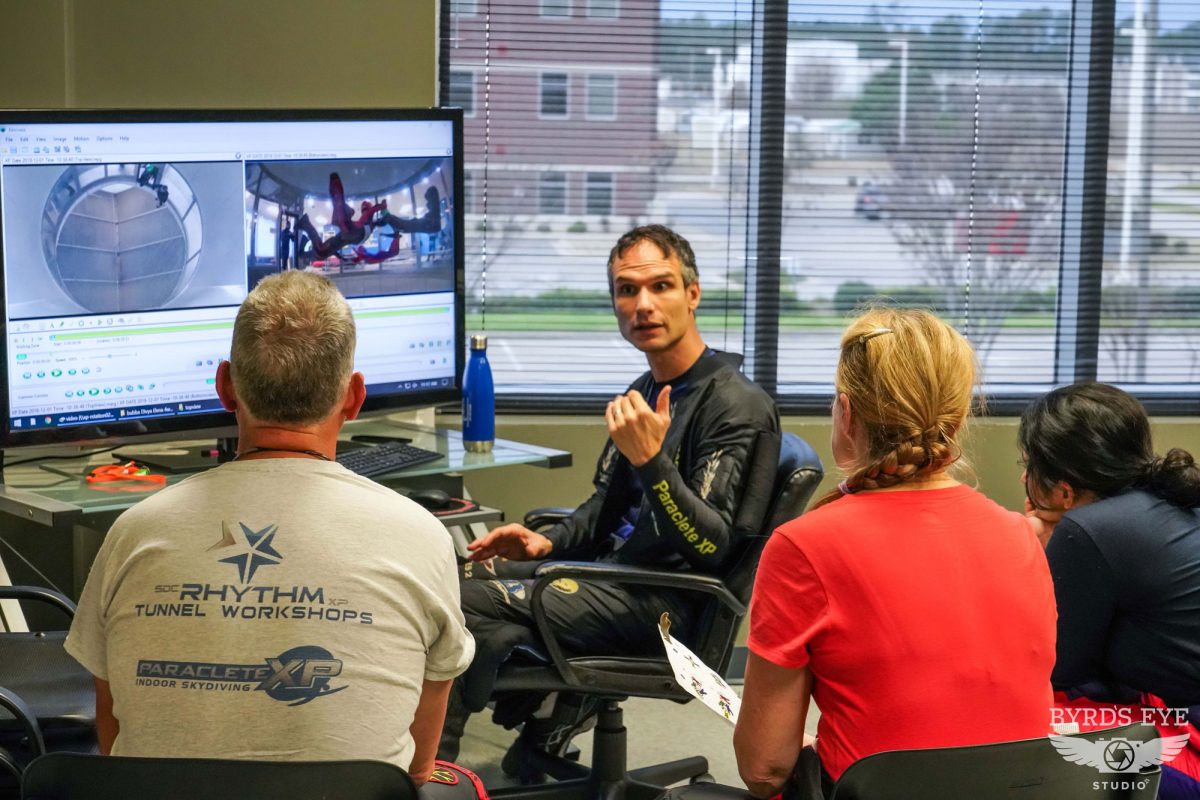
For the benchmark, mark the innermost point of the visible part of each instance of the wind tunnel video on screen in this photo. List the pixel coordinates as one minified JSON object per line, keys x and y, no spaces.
{"x":373,"y":226}
{"x":119,"y":237}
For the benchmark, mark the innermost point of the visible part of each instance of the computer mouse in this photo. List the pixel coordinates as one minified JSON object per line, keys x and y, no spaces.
{"x":432,"y":499}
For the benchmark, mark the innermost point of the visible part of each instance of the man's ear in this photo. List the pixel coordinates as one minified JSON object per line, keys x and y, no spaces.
{"x":356,"y":393}
{"x":693,"y":295}
{"x":225,"y":391}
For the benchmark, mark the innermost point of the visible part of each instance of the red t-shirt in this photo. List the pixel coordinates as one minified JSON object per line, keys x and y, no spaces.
{"x":926,"y":617}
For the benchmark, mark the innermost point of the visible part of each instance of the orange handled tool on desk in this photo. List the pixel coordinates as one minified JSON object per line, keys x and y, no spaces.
{"x":113,"y":473}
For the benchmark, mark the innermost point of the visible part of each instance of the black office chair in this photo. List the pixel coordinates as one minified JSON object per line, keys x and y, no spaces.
{"x":49,"y":698}
{"x":1030,"y":769}
{"x":613,"y":679}
{"x":72,"y":776}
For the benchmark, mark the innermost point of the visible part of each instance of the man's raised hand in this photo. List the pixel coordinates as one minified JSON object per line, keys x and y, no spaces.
{"x":636,"y":429}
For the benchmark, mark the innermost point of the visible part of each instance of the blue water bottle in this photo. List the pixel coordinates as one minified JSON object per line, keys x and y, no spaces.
{"x":479,"y":400}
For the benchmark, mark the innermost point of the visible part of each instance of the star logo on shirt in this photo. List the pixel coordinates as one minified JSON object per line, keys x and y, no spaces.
{"x":258,"y":550}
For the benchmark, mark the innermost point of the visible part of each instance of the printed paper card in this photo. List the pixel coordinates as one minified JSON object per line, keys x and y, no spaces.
{"x":696,"y":678}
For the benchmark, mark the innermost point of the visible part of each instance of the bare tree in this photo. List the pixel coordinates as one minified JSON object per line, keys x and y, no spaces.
{"x":981,"y":213}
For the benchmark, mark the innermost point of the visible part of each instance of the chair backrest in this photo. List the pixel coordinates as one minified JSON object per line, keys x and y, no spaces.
{"x":797,"y":476}
{"x":1031,"y":769}
{"x":58,"y":691}
{"x":795,"y":479}
{"x":70,"y":776}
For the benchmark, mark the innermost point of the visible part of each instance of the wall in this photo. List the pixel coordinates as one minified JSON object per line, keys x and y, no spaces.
{"x":219,"y":53}
{"x":991,"y":448}
{"x":202,"y":54}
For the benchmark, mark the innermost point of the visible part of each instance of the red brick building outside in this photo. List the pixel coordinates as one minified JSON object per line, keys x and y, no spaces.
{"x":568,"y":127}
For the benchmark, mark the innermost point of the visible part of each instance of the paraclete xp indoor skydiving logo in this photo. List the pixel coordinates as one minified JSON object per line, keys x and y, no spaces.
{"x":296,"y":677}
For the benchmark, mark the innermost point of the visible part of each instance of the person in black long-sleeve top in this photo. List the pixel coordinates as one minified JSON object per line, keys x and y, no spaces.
{"x":1123,"y":531}
{"x":672,"y":488}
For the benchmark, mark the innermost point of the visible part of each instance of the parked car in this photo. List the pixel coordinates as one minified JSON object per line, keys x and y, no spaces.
{"x":870,"y":202}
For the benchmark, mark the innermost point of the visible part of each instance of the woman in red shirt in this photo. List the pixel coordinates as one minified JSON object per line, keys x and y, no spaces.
{"x":913,"y":610}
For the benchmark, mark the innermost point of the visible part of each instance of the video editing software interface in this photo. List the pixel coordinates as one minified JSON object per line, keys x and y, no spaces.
{"x":128,"y":247}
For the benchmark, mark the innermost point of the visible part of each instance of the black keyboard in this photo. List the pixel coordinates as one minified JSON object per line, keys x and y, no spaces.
{"x":384,"y":458}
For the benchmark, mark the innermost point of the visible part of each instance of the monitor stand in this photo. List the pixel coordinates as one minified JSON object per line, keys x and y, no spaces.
{"x":192,"y":459}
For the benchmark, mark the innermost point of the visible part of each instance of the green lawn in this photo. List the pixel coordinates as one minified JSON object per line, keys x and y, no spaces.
{"x":1177,"y":208}
{"x":603,"y":322}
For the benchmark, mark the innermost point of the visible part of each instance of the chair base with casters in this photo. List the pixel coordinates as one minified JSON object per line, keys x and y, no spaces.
{"x":71,"y":776}
{"x":608,"y":777}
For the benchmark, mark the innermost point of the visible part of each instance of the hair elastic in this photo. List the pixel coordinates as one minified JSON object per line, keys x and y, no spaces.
{"x":866,"y":337}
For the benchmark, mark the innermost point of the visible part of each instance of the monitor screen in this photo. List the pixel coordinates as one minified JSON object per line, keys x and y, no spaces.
{"x":129,"y":239}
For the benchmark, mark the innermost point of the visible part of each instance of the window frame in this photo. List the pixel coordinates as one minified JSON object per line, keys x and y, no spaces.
{"x":565,"y":15}
{"x":564,"y":183}
{"x":542,"y":113}
{"x":587,"y":97}
{"x":1089,"y":77}
{"x":467,"y":114}
{"x":616,"y":10}
{"x":589,"y":176}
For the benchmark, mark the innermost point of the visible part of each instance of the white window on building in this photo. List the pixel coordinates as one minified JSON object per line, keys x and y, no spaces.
{"x":468,"y":199}
{"x":601,"y":96}
{"x":553,"y":93}
{"x":555,"y":8}
{"x":552,"y":193}
{"x":599,"y":194}
{"x":602,"y":8}
{"x":462,"y":91}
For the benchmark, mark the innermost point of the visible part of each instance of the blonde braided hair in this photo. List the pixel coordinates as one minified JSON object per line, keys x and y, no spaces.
{"x":909,"y":378}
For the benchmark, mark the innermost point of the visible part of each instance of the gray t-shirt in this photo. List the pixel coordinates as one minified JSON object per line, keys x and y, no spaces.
{"x":272,"y":609}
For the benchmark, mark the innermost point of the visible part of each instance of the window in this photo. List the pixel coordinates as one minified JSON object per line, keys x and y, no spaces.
{"x":464,"y":8}
{"x":555,"y":8}
{"x":602,"y":8}
{"x":468,"y":200}
{"x":601,"y":96}
{"x":552,"y":193}
{"x":553,"y":94}
{"x":1149,"y":331}
{"x":941,"y":154}
{"x":599,"y":194}
{"x":462,"y":91}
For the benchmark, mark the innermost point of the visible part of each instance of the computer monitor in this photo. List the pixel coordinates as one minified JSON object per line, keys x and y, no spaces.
{"x":129,"y":239}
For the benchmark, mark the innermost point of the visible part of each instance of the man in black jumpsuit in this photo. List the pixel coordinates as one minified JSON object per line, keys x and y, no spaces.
{"x":670,"y":484}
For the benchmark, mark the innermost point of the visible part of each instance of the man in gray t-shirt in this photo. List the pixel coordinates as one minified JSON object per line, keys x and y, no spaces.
{"x":279,"y":606}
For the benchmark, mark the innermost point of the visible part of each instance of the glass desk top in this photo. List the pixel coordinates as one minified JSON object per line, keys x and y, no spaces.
{"x":53,"y":491}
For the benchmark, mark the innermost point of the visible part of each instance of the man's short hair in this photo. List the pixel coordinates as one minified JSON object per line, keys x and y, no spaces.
{"x":293,"y":349}
{"x":667,"y":240}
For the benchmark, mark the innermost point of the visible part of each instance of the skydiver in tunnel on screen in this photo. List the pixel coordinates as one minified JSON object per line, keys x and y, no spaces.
{"x":353,"y":231}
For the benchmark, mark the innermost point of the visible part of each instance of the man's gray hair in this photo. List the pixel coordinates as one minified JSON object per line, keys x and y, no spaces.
{"x":670,"y":243}
{"x":293,"y":349}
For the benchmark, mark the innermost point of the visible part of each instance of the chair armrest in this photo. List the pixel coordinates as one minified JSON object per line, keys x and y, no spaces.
{"x":13,"y":703}
{"x":615,"y":573}
{"x":537,"y":518}
{"x":56,"y":599}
